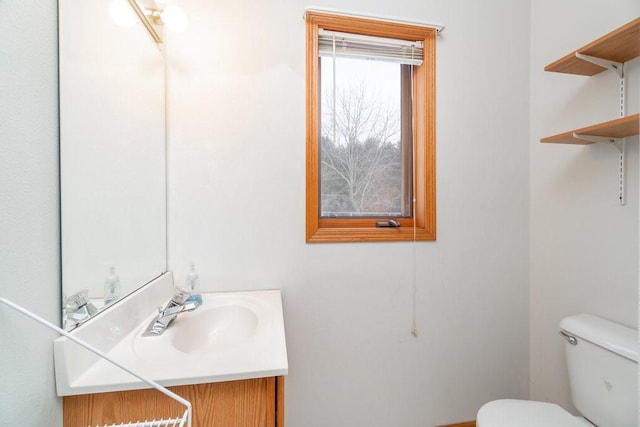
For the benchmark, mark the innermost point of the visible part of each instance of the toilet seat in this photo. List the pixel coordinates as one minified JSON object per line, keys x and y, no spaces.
{"x":526,"y":413}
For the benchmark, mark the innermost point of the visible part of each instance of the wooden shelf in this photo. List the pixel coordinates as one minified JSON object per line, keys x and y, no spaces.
{"x":620,"y":45}
{"x":609,"y":52}
{"x":618,"y":128}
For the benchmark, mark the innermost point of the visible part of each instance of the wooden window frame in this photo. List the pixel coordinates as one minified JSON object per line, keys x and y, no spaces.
{"x":423,"y":225}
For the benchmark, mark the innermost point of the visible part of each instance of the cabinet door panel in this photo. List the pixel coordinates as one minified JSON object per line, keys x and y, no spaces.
{"x":246,"y":403}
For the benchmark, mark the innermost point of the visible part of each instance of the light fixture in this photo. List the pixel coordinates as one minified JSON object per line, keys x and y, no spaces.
{"x":121,"y":13}
{"x":174,"y":18}
{"x":154,"y":15}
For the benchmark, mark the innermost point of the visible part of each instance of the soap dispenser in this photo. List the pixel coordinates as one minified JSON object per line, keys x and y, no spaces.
{"x":192,"y":285}
{"x":111,"y":287}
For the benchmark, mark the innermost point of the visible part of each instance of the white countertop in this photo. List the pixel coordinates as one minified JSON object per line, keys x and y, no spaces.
{"x":232,"y":336}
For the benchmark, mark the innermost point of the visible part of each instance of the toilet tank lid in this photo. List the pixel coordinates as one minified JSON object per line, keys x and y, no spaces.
{"x":604,"y":333}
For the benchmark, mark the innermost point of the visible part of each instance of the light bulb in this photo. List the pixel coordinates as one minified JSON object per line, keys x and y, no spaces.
{"x":174,"y":18}
{"x":121,"y":13}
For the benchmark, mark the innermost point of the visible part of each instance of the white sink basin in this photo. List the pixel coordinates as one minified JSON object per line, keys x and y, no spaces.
{"x":214,"y":328}
{"x":225,"y":324}
{"x":231,"y":336}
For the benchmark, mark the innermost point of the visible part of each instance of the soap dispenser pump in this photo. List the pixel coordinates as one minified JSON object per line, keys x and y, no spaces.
{"x":111,"y":287}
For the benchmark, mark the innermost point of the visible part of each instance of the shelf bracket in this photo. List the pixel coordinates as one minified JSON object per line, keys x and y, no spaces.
{"x":620,"y":145}
{"x":616,"y":142}
{"x":618,"y":67}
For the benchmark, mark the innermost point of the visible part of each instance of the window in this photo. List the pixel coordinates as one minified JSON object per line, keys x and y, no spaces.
{"x":370,"y":130}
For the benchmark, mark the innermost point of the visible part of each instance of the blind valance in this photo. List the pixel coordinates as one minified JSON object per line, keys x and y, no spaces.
{"x":332,"y":43}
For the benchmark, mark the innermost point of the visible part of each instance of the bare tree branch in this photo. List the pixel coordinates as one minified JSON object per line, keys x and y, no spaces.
{"x":361,"y":162}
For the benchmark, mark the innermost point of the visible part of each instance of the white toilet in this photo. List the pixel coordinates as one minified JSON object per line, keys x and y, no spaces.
{"x":602,"y":358}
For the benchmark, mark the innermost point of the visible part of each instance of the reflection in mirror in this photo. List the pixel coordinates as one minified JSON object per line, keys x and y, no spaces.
{"x":112,"y":158}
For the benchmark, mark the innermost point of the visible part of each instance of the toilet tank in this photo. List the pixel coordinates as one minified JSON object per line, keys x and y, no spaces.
{"x":603,"y":369}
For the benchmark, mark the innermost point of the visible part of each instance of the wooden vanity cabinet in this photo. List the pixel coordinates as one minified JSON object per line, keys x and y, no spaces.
{"x":255,"y":402}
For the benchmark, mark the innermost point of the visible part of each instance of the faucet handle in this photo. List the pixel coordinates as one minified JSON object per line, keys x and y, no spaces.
{"x":171,"y":310}
{"x":77,"y":300}
{"x":191,"y":305}
{"x":179,"y":297}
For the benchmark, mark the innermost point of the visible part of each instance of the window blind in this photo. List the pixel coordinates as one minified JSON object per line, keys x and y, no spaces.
{"x":332,"y":43}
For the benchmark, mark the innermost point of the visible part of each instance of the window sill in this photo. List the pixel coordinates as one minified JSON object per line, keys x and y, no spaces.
{"x":370,"y":234}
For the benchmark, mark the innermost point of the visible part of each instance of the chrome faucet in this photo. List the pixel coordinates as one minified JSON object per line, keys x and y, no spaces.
{"x":77,"y":308}
{"x":180,"y":302}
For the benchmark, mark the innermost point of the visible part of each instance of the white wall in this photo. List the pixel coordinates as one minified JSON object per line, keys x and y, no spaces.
{"x":236,"y":192}
{"x":29,"y":220}
{"x":584,"y":246}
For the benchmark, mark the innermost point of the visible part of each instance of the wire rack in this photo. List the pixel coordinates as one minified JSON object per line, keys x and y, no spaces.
{"x":175,"y":422}
{"x":181,"y":421}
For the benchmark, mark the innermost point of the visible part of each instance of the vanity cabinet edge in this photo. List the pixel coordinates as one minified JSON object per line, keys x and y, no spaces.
{"x":257,"y":402}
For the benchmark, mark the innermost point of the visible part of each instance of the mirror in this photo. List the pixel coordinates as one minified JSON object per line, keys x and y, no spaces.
{"x":112,"y":158}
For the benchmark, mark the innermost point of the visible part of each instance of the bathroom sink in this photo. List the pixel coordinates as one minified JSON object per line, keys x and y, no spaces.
{"x":225,"y":322}
{"x":225,"y":325}
{"x":214,"y":327}
{"x":231,"y":336}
